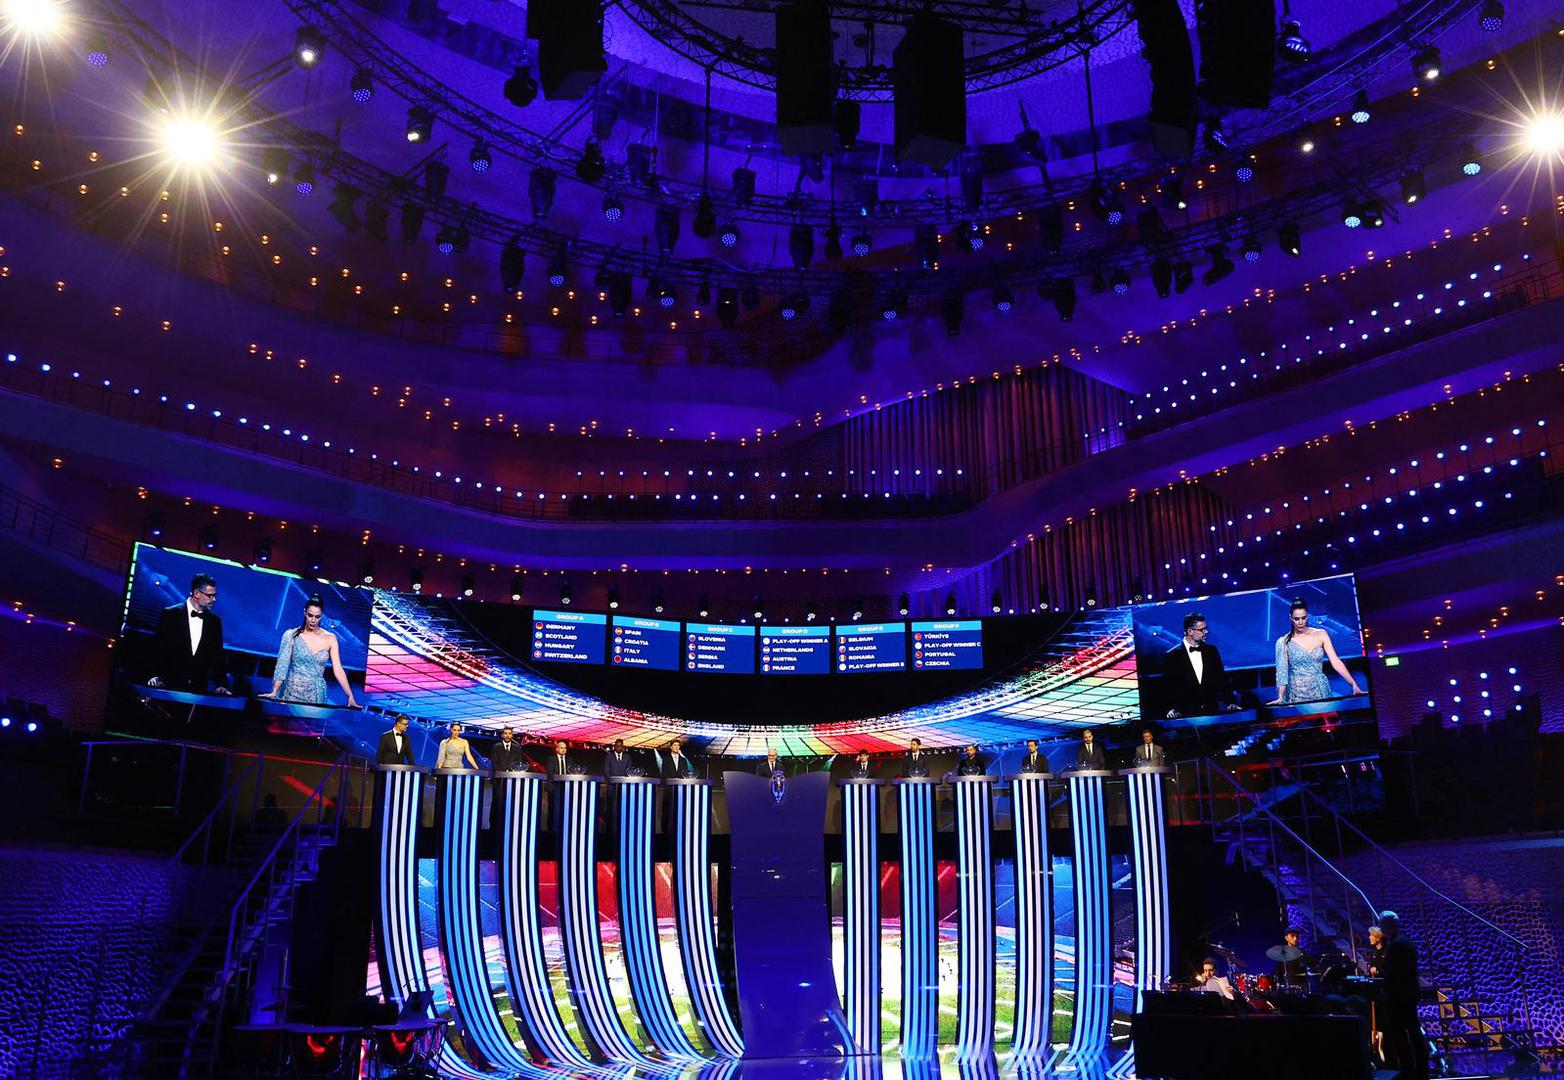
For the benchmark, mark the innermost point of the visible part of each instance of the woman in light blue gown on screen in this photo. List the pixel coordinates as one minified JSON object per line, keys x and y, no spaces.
{"x":1300,"y":657}
{"x":306,"y":650}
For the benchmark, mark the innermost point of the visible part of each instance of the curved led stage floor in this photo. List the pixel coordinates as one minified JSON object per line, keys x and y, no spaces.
{"x":424,"y":660}
{"x":530,"y":1036}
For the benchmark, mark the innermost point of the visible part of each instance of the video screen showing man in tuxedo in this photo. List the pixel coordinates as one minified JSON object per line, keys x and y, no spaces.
{"x":1194,"y":680}
{"x":187,"y":645}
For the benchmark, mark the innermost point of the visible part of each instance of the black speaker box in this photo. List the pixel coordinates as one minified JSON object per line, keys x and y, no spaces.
{"x":570,"y":46}
{"x":931,"y":93}
{"x":806,"y":79}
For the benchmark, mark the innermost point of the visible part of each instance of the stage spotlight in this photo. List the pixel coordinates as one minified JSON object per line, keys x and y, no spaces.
{"x":515,"y":588}
{"x":1360,"y":108}
{"x":1413,"y":187}
{"x":189,"y":142}
{"x":304,"y":179}
{"x":1030,"y":142}
{"x":521,"y":89}
{"x":540,"y":191}
{"x":1172,"y":190}
{"x":903,"y":604}
{"x":308,"y":45}
{"x":750,"y":297}
{"x":362,"y":86}
{"x":513,"y":263}
{"x":97,"y":52}
{"x":794,"y":304}
{"x":261,"y":552}
{"x":895,"y":306}
{"x":641,"y":163}
{"x":1162,"y":277}
{"x":343,"y":208}
{"x":156,"y":523}
{"x":613,"y":598}
{"x":953,"y":309}
{"x":1120,"y":282}
{"x":659,"y":602}
{"x":1351,"y":216}
{"x":556,"y":270}
{"x":925,"y":245}
{"x":743,"y":185}
{"x":32,"y":18}
{"x":996,"y":602}
{"x":1491,"y":16}
{"x":667,"y":296}
{"x":704,"y":224}
{"x":208,"y":537}
{"x":833,"y":242}
{"x":863,"y":243}
{"x":314,"y":559}
{"x":468,"y":585}
{"x":479,"y":157}
{"x":1183,"y":276}
{"x":412,"y":222}
{"x":971,"y":235}
{"x":1471,"y":161}
{"x":1544,"y":134}
{"x":1091,"y":595}
{"x":1373,"y":214}
{"x":866,"y":195}
{"x":665,"y":228}
{"x":590,"y":166}
{"x":564,"y":594}
{"x":1305,"y":140}
{"x":1215,"y":138}
{"x":619,"y":294}
{"x":613,"y":207}
{"x":703,"y":607}
{"x":801,"y":245}
{"x":1105,"y":203}
{"x":1251,"y":248}
{"x":1289,"y":238}
{"x":377,"y":221}
{"x":445,"y":240}
{"x":857,"y":610}
{"x":1425,"y":65}
{"x":728,"y":235}
{"x":950,"y":603}
{"x":757,"y":609}
{"x":275,"y":163}
{"x":1004,"y":299}
{"x":1151,"y":226}
{"x":1063,"y":296}
{"x":420,"y":124}
{"x":727,"y":306}
{"x":1291,"y":45}
{"x":848,"y":118}
{"x":1244,"y":170}
{"x":366,"y":571}
{"x":1221,"y":265}
{"x":437,"y":174}
{"x":415,"y":579}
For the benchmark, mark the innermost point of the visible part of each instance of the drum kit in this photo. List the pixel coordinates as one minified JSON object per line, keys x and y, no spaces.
{"x":1264,"y":993}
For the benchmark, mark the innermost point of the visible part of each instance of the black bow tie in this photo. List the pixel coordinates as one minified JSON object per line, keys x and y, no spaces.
{"x":198,"y":614}
{"x":1194,"y":648}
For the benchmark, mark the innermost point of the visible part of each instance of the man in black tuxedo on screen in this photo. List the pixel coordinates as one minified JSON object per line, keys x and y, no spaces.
{"x":396,"y":747}
{"x":1194,"y":682}
{"x":187,"y":646}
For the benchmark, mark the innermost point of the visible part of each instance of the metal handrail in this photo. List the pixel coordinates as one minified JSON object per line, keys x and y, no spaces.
{"x":230,"y":793}
{"x":1384,"y":852}
{"x":1260,"y":806}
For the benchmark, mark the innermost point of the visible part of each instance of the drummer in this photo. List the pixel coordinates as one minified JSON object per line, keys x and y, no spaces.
{"x":1289,"y":960}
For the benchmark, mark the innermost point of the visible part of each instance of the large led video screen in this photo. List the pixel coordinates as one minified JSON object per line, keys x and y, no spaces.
{"x":1287,"y":651}
{"x":256,"y":615}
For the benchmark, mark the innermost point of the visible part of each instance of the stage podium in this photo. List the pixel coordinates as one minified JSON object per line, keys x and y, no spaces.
{"x":781,"y":918}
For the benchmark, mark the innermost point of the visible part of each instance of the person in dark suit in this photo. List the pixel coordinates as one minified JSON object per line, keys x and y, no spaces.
{"x":861,"y":769}
{"x":771,"y":766}
{"x":618,"y":762}
{"x":187,"y":646}
{"x":1194,"y":681}
{"x":1403,"y":1031}
{"x":971,"y":764}
{"x":915,"y":764}
{"x":1090,"y":755}
{"x":1032,"y":761}
{"x":506,"y":755}
{"x":560,"y":763}
{"x":396,"y":747}
{"x":677,"y":765}
{"x":1148,"y":753}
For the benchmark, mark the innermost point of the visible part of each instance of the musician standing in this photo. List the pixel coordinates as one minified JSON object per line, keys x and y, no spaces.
{"x":1403,"y":1030}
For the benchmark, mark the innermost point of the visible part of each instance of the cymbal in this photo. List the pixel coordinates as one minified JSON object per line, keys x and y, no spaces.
{"x":1221,"y":950}
{"x":1284,"y":954}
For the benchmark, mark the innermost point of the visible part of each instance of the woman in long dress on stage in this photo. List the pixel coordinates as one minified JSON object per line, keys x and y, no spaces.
{"x":302,"y":658}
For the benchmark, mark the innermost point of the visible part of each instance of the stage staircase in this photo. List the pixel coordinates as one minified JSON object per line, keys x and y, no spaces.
{"x":1301,"y":846}
{"x":226,"y":949}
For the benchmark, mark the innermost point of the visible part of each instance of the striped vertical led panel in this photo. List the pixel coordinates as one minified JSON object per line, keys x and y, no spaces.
{"x":1093,"y":929}
{"x":692,"y":904}
{"x":861,"y":912}
{"x":638,"y":920}
{"x":919,"y":921}
{"x":578,"y":917}
{"x":1149,"y":849}
{"x":484,"y":1037}
{"x":975,"y":908}
{"x":531,"y":996}
{"x":1034,"y":918}
{"x":398,"y":948}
